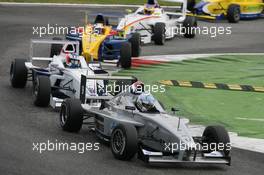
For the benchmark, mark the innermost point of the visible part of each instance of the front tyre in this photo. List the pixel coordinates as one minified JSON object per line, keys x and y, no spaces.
{"x":189,"y":25}
{"x":233,"y":13}
{"x":125,"y":55}
{"x":214,"y":137}
{"x":71,"y":115}
{"x":135,"y":44}
{"x":159,"y":33}
{"x":18,"y":73}
{"x":124,"y":142}
{"x":41,"y":91}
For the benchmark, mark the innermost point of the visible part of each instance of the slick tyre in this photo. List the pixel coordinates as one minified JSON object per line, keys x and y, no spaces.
{"x":124,"y":142}
{"x":41,"y":91}
{"x":213,"y":136}
{"x":189,"y":25}
{"x":159,"y":33}
{"x":135,"y":44}
{"x":71,"y":115}
{"x":233,"y":13}
{"x":125,"y":55}
{"x":18,"y":73}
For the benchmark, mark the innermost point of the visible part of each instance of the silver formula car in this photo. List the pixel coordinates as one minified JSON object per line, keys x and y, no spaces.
{"x":134,"y":122}
{"x":56,"y":77}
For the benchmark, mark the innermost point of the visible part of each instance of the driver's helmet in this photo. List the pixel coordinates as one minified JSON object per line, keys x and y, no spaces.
{"x":149,"y":9}
{"x":72,"y":61}
{"x":98,"y":28}
{"x":145,"y":102}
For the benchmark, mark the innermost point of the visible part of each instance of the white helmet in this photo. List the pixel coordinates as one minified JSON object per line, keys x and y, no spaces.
{"x":145,"y":102}
{"x":98,"y":28}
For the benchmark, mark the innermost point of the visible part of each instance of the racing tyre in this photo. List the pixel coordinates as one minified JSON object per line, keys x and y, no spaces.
{"x":18,"y":73}
{"x":71,"y":115}
{"x":233,"y":13}
{"x":55,"y":48}
{"x":41,"y":91}
{"x":123,"y":142}
{"x":189,"y":24}
{"x":125,"y":55}
{"x":213,"y":136}
{"x":159,"y":33}
{"x":135,"y":44}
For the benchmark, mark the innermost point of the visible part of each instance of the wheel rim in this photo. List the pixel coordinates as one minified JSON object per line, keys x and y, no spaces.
{"x":63,"y":115}
{"x":237,"y":15}
{"x":118,"y":142}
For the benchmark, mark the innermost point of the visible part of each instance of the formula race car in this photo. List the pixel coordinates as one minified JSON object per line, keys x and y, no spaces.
{"x":100,"y":42}
{"x":154,"y":24}
{"x":134,"y":122}
{"x":60,"y":79}
{"x":232,"y":10}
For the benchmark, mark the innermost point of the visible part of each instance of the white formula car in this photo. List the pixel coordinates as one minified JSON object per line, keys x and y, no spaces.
{"x":60,"y":79}
{"x":154,"y":24}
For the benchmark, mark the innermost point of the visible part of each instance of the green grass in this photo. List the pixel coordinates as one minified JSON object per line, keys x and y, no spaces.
{"x":205,"y":106}
{"x":90,"y":1}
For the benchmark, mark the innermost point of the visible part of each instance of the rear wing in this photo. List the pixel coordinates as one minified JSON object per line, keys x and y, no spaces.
{"x":84,"y":79}
{"x":51,"y":42}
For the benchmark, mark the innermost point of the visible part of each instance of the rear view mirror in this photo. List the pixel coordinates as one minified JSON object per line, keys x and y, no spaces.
{"x":174,"y":109}
{"x":55,"y":65}
{"x":129,"y":11}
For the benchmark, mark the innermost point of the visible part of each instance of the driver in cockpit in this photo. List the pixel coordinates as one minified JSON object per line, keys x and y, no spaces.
{"x":72,"y":61}
{"x":146,"y":103}
{"x":149,"y":8}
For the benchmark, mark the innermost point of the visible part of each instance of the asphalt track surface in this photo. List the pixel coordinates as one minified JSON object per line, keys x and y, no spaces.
{"x":22,"y":124}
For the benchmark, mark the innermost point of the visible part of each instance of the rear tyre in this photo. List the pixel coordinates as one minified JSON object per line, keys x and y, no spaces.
{"x":55,"y":48}
{"x":18,"y":73}
{"x":123,"y":142}
{"x":233,"y":13}
{"x":159,"y":33}
{"x":214,"y":136}
{"x":71,"y":115}
{"x":41,"y":91}
{"x":135,"y":44}
{"x":125,"y":55}
{"x":189,"y":24}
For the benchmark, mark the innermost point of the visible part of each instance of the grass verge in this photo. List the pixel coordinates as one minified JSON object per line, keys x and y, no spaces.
{"x":241,"y":112}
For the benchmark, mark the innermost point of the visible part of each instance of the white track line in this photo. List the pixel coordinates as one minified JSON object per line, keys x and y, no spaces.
{"x":251,"y":119}
{"x":182,"y":57}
